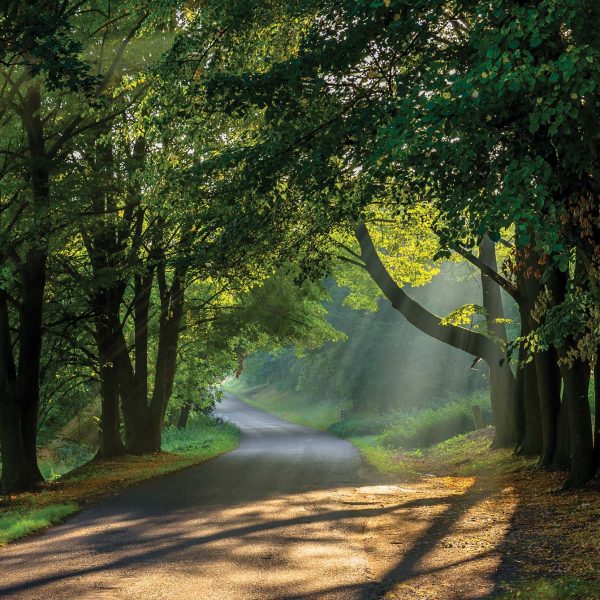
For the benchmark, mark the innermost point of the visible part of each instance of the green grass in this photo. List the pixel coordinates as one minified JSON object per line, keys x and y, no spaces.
{"x":385,"y":460}
{"x":560,"y":588}
{"x":17,"y":524}
{"x":202,"y":440}
{"x":424,"y":428}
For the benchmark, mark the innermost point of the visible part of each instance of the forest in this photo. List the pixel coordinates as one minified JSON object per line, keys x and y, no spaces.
{"x":379,"y":218}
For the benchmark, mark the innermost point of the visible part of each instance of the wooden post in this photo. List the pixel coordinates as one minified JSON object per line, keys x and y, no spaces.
{"x":477,"y":416}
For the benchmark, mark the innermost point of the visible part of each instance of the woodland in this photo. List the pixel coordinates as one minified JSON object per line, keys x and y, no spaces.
{"x":187,"y":188}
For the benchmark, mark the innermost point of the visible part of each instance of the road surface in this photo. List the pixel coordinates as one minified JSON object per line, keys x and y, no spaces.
{"x":276,"y":518}
{"x":291,"y":514}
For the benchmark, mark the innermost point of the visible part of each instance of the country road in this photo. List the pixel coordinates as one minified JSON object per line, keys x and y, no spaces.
{"x":292,"y":513}
{"x":260,"y":522}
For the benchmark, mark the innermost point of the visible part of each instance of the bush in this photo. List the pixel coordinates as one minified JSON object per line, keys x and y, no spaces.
{"x":202,"y":433}
{"x":433,"y":425}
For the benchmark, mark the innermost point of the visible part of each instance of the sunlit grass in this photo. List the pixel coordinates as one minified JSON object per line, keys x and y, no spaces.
{"x":385,"y":460}
{"x":203,"y":439}
{"x":17,"y":524}
{"x":426,"y":427}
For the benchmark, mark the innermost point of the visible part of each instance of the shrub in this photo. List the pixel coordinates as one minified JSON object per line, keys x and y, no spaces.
{"x":431,"y":426}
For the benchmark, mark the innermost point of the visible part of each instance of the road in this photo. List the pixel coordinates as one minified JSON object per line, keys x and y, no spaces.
{"x":276,"y":518}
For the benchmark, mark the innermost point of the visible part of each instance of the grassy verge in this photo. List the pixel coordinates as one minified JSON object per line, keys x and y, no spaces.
{"x":22,"y":514}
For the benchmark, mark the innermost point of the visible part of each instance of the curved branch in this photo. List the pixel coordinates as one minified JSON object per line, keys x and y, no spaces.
{"x":468,"y":341}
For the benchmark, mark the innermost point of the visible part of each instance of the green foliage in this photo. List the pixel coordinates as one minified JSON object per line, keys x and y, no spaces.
{"x":433,"y":425}
{"x":203,"y":436}
{"x":383,"y":364}
{"x":67,"y":456}
{"x":385,"y":460}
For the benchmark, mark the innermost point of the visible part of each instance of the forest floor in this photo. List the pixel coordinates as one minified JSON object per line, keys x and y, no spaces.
{"x":22,"y":514}
{"x":494,"y":513}
{"x":544,"y":540}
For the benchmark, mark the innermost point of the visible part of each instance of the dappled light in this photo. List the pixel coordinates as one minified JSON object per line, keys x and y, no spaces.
{"x":300,"y":299}
{"x":321,"y":541}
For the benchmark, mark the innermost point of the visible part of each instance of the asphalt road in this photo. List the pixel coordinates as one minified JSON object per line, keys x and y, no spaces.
{"x":276,"y":518}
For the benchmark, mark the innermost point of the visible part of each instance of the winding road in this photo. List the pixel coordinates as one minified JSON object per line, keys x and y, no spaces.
{"x":275,"y":518}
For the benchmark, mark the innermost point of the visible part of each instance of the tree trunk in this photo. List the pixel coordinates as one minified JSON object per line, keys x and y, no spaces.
{"x":106,"y":324}
{"x":503,"y":392}
{"x":143,"y":420}
{"x":519,"y":413}
{"x":548,"y":383}
{"x":140,"y":434}
{"x":30,"y":349}
{"x":549,"y":376}
{"x":184,"y":415}
{"x":17,"y":475}
{"x":466,"y":340}
{"x":532,"y":441}
{"x":576,"y":380}
{"x":502,"y":381}
{"x":171,"y":314}
{"x":33,"y":282}
{"x":597,"y":409}
{"x":529,"y":284}
{"x":562,"y":453}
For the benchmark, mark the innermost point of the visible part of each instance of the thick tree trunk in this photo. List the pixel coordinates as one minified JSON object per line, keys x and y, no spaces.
{"x":171,"y":314}
{"x":30,"y":349}
{"x":140,"y":433}
{"x":17,"y":475}
{"x":549,"y":377}
{"x":576,"y":380}
{"x":503,"y":391}
{"x":519,"y":413}
{"x":532,"y":441}
{"x":548,"y":383}
{"x":502,"y":381}
{"x":107,"y":323}
{"x":143,"y":420}
{"x":562,"y":452}
{"x":33,"y":283}
{"x":533,"y":405}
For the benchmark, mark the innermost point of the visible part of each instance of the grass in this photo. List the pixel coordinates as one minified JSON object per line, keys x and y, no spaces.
{"x":23,"y":514}
{"x":64,"y":457}
{"x":385,"y":460}
{"x":420,"y":429}
{"x":561,"y":588}
{"x":16,"y":524}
